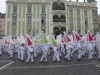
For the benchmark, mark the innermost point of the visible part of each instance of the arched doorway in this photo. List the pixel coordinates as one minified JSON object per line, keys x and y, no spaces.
{"x":62,"y":30}
{"x":56,"y":31}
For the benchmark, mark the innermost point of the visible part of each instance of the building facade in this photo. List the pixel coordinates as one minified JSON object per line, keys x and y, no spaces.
{"x":51,"y":16}
{"x":2,"y":24}
{"x":99,"y":22}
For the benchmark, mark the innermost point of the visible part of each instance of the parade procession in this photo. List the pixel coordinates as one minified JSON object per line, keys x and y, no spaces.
{"x":45,"y":45}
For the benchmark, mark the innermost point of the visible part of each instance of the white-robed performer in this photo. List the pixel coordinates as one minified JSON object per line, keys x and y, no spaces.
{"x":90,"y":50}
{"x":56,"y":54}
{"x":79,"y":48}
{"x":98,"y":48}
{"x":0,"y":50}
{"x":11,"y":50}
{"x":44,"y":53}
{"x":68,"y":48}
{"x":22,"y":51}
{"x":30,"y":53}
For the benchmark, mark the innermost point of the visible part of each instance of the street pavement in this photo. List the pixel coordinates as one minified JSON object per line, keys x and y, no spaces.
{"x":73,"y":67}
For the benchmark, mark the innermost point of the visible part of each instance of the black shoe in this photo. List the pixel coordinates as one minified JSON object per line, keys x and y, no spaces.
{"x":46,"y":61}
{"x":65,"y":58}
{"x":83,"y":55}
{"x":54,"y":61}
{"x":0,"y":54}
{"x":98,"y":58}
{"x":10,"y":57}
{"x":22,"y":60}
{"x":33,"y":62}
{"x":41,"y":61}
{"x":79,"y":59}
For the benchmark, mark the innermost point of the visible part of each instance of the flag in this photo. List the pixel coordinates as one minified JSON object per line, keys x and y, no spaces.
{"x":28,"y":40}
{"x":76,"y":36}
{"x":15,"y":42}
{"x":53,"y":41}
{"x":36,"y":40}
{"x":67,"y":38}
{"x":71,"y":38}
{"x":44,"y":39}
{"x":89,"y":37}
{"x":62,"y":40}
{"x":6,"y":42}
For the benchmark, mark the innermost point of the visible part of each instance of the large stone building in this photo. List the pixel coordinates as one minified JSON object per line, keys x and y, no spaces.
{"x":51,"y":16}
{"x":99,"y":22}
{"x":99,"y":19}
{"x":2,"y":24}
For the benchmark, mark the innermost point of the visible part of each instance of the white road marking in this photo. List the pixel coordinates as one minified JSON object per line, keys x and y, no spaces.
{"x":51,"y":66}
{"x":98,"y":65}
{"x":1,"y":68}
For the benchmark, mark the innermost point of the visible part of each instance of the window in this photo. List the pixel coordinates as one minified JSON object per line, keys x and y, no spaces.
{"x":85,"y":12}
{"x":0,"y":31}
{"x":28,"y":19}
{"x":71,"y":12}
{"x":86,"y":22}
{"x":3,"y":26}
{"x":14,"y":19}
{"x":95,"y":21}
{"x":29,"y":9}
{"x":62,"y":6}
{"x":78,"y":12}
{"x":14,"y":9}
{"x":13,"y":31}
{"x":79,"y":31}
{"x":78,"y":22}
{"x":71,"y":21}
{"x":95,"y":12}
{"x":43,"y":9}
{"x":55,"y":6}
{"x":43,"y":20}
{"x":43,"y":30}
{"x":62,"y":18}
{"x":29,"y":31}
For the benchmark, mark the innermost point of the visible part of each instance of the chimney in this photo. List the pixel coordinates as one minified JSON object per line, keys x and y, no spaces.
{"x":84,"y":1}
{"x":77,"y":0}
{"x":70,"y":0}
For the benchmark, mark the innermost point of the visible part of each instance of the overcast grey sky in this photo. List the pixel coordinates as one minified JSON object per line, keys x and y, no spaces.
{"x":3,"y":5}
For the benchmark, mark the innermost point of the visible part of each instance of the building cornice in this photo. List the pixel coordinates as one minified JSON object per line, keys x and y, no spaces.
{"x":18,"y":2}
{"x":82,"y":6}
